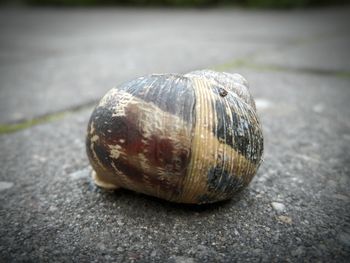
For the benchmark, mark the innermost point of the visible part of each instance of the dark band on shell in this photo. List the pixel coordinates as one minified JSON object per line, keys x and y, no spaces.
{"x":193,"y":138}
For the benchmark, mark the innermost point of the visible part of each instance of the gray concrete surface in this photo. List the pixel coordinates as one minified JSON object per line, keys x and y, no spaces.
{"x":297,"y":207}
{"x":57,"y":59}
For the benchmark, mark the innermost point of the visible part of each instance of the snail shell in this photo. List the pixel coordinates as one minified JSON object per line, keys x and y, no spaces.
{"x":193,"y":138}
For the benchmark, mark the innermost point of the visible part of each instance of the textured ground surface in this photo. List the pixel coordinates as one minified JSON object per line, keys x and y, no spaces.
{"x":57,"y":63}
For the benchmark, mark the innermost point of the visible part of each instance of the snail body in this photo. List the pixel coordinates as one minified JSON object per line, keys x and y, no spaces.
{"x":193,"y":138}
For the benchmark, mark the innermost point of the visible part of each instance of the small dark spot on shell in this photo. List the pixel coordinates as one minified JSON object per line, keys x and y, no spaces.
{"x":222,"y":92}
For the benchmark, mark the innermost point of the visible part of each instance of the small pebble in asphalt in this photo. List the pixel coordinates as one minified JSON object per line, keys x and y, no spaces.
{"x":84,"y":173}
{"x":5,"y":185}
{"x":279,"y":207}
{"x":284,"y":219}
{"x":318,"y":108}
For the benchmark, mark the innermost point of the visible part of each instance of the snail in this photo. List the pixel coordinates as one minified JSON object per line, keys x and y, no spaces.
{"x":193,"y":138}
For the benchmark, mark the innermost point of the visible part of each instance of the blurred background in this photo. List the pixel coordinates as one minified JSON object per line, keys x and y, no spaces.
{"x":182,"y":3}
{"x":59,"y":57}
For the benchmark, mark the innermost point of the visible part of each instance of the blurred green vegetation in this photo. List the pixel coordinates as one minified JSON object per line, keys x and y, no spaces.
{"x":193,"y":3}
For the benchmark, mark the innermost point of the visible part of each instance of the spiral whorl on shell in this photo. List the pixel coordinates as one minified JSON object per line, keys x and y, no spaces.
{"x":193,"y":138}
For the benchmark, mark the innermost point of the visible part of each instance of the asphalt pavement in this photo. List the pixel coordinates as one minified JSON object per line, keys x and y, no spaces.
{"x":55,"y":64}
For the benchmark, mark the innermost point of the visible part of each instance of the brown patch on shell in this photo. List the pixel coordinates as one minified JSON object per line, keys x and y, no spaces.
{"x":151,"y":155}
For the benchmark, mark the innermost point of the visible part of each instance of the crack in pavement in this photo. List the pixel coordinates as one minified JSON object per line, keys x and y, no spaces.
{"x":241,"y":63}
{"x":245,"y":62}
{"x":50,"y":117}
{"x":248,"y":61}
